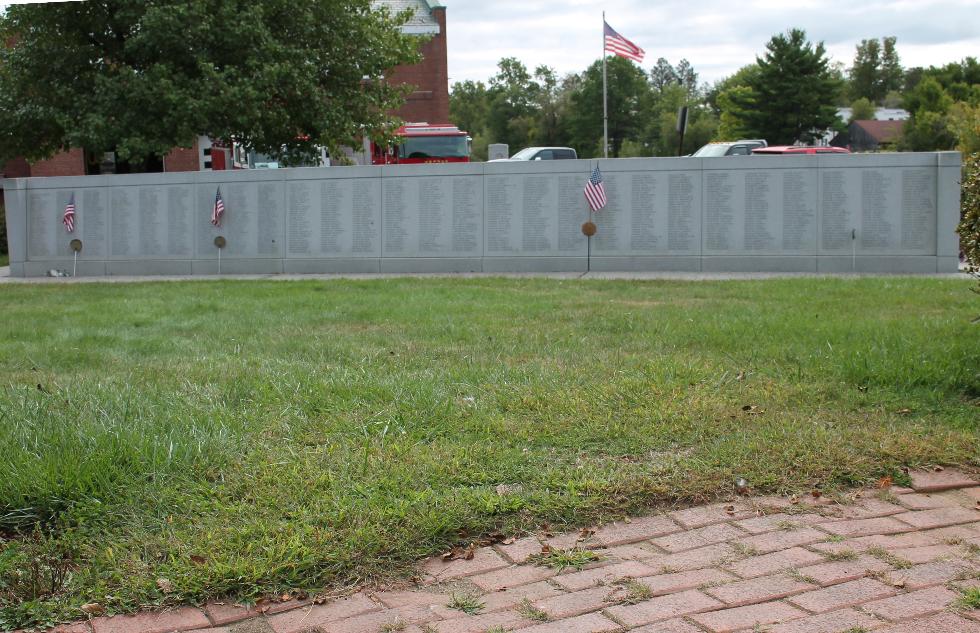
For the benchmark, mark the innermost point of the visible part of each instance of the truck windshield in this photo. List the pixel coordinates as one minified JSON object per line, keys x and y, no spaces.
{"x":434,"y":147}
{"x":711,"y":150}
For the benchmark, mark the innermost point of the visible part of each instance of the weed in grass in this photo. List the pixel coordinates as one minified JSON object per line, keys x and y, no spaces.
{"x":177,"y":424}
{"x":744,"y":551}
{"x":888,"y":496}
{"x":529,"y":611}
{"x":636,"y":592}
{"x":796,"y":574}
{"x":857,"y":629}
{"x":885,"y":556}
{"x":834,"y":538}
{"x":393,"y":627}
{"x":562,"y":559}
{"x":467,"y":603}
{"x":787,"y":526}
{"x":970,"y":599}
{"x":972,"y":549}
{"x":667,"y":569}
{"x":842,"y":555}
{"x":492,"y":629}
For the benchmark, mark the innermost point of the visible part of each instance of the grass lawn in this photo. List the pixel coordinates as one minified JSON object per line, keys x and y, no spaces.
{"x":245,"y":438}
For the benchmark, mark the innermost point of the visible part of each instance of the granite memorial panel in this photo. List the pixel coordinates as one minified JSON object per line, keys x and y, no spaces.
{"x":334,"y":217}
{"x":761,"y":212}
{"x":535,"y":215}
{"x":253,"y":222}
{"x":650,"y":213}
{"x":431,"y":217}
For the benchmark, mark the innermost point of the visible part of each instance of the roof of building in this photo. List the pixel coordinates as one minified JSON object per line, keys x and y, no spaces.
{"x":422,"y":23}
{"x":881,"y":131}
{"x":881,"y":114}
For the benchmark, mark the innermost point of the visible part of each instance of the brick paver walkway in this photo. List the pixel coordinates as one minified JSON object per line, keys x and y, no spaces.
{"x":894,"y":560}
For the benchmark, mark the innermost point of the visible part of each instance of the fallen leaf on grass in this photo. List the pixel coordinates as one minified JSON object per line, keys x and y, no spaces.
{"x":165,"y":585}
{"x":904,"y":411}
{"x":93,"y":608}
{"x":816,"y":494}
{"x":545,"y":549}
{"x":884,"y":483}
{"x":752,"y":409}
{"x":198,"y":560}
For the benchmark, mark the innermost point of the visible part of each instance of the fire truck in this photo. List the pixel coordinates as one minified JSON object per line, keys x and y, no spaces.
{"x":424,"y":143}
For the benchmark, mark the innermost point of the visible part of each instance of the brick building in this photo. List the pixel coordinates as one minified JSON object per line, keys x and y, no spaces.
{"x":429,"y":102}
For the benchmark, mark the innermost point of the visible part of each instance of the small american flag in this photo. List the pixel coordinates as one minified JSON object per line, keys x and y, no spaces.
{"x":69,"y":218}
{"x":595,"y":191}
{"x":218,"y":210}
{"x":619,"y":45}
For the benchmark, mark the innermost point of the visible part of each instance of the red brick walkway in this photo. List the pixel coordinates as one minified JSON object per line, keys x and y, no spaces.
{"x":896,"y":560}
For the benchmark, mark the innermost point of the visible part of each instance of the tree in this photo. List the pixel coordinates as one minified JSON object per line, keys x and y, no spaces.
{"x":513,"y":98}
{"x":139,"y":78}
{"x":862,"y":110}
{"x":964,"y":123}
{"x":927,"y":128}
{"x":469,"y":106}
{"x":663,"y":75}
{"x":892,"y":74}
{"x":791,"y":96}
{"x":864,"y":74}
{"x":629,"y":100}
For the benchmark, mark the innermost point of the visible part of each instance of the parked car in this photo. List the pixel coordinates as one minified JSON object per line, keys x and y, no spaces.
{"x":796,"y":149}
{"x":743,"y":147}
{"x":542,"y":153}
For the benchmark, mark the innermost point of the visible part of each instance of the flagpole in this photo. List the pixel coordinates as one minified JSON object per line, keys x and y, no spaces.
{"x":605,"y":98}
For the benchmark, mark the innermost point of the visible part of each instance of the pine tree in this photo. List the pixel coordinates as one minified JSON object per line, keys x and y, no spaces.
{"x":791,"y":97}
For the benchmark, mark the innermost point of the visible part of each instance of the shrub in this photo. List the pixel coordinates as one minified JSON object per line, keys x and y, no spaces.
{"x":969,"y":228}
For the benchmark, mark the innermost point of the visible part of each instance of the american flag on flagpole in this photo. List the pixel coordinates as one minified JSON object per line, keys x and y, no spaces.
{"x":68,"y":219}
{"x":619,"y":45}
{"x":218,"y":210}
{"x":595,"y":191}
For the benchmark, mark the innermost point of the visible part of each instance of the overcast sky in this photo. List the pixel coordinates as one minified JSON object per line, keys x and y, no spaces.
{"x":716,"y":36}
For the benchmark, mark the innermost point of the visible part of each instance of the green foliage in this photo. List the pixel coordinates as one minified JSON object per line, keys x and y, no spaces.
{"x":928,"y":127}
{"x":562,"y":559}
{"x":792,"y":96}
{"x":629,"y":100}
{"x":969,"y":228}
{"x":964,"y":123}
{"x":969,"y":599}
{"x":864,"y":73}
{"x":862,"y":110}
{"x":138,"y":78}
{"x":877,"y":70}
{"x":466,"y":602}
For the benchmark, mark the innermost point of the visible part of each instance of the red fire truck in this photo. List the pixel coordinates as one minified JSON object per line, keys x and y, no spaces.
{"x":424,"y":143}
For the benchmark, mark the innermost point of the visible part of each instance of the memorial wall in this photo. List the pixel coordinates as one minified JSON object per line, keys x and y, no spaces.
{"x":824,"y":213}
